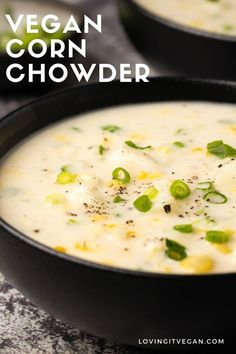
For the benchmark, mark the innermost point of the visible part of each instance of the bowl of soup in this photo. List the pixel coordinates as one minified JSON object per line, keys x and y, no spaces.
{"x":196,"y":38}
{"x":117,"y":207}
{"x":28,"y":72}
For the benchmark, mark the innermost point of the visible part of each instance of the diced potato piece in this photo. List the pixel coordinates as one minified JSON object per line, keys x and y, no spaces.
{"x":198,"y":264}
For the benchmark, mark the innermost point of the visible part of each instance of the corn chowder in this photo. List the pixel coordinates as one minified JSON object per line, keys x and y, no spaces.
{"x":218,"y":16}
{"x":149,"y":187}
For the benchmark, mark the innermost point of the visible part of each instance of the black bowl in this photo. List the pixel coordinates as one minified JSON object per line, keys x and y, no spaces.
{"x":118,"y":304}
{"x":7,"y":86}
{"x":177,"y":49}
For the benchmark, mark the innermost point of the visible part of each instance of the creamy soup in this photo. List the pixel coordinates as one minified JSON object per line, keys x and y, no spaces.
{"x":149,"y":187}
{"x":217,"y":16}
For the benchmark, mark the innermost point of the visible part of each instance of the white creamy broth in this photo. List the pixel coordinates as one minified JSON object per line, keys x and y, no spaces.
{"x":218,"y":16}
{"x":59,"y":187}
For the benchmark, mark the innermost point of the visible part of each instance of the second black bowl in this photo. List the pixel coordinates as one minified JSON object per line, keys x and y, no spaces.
{"x":177,"y":49}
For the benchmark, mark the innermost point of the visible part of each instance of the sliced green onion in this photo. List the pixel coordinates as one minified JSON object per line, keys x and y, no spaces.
{"x":76,"y":129}
{"x":66,"y":177}
{"x":121,"y":175}
{"x":111,"y":128}
{"x":204,"y":186}
{"x":184,"y":228}
{"x":221,"y":150}
{"x":143,"y":203}
{"x":217,"y":236}
{"x":215,"y":198}
{"x":175,"y":250}
{"x":64,"y":168}
{"x":101,"y":149}
{"x":133,"y":145}
{"x":118,"y":199}
{"x":179,"y":144}
{"x":179,"y":189}
{"x":152,"y":192}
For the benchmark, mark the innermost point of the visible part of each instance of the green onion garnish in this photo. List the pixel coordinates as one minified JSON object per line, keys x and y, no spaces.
{"x":143,"y":203}
{"x":121,"y":175}
{"x":66,"y":177}
{"x":118,"y":199}
{"x":76,"y":129}
{"x":179,"y":131}
{"x":221,"y":150}
{"x":133,"y":145}
{"x":151,"y":192}
{"x":101,"y":149}
{"x":184,"y":228}
{"x":215,"y":197}
{"x":179,"y":144}
{"x":217,"y":236}
{"x":72,"y":221}
{"x":111,"y":128}
{"x":175,"y":250}
{"x":228,"y":27}
{"x":179,"y":189}
{"x":204,"y":186}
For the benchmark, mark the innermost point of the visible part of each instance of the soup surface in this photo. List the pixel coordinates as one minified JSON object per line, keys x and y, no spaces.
{"x":148,"y":187}
{"x":217,"y":16}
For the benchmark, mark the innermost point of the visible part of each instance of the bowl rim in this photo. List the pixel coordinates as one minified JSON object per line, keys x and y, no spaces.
{"x":14,"y":232}
{"x":181,"y":27}
{"x":71,"y":7}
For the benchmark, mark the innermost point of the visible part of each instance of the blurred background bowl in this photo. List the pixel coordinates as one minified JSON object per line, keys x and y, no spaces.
{"x":176,"y":49}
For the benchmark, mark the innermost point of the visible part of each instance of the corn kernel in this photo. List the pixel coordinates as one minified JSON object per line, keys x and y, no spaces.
{"x":55,"y":199}
{"x":98,"y":217}
{"x":130,"y":234}
{"x":233,"y":129}
{"x":60,"y":249}
{"x":62,"y":138}
{"x":163,"y":149}
{"x":110,"y":226}
{"x":137,"y":136}
{"x":198,"y":264}
{"x":222,"y":248}
{"x":82,"y":246}
{"x":198,"y":149}
{"x":148,"y":175}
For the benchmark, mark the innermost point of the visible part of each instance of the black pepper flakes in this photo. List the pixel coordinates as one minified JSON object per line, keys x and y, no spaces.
{"x":167,"y":208}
